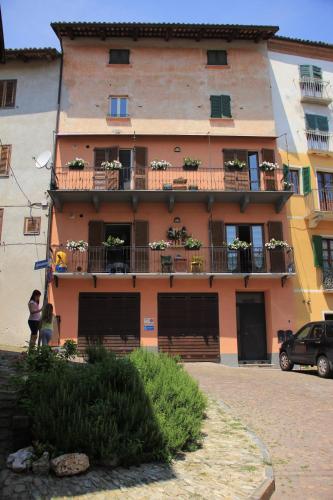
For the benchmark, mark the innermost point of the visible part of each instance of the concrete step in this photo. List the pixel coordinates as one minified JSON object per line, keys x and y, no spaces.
{"x":258,"y":365}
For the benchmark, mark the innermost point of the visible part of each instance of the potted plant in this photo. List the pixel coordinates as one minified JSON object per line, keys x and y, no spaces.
{"x":113,"y":241}
{"x":267,"y":166}
{"x":76,"y":164}
{"x":159,"y":245}
{"x":274,"y":244}
{"x":180,"y":183}
{"x":160,"y":165}
{"x":192,"y":244}
{"x":287,"y":186}
{"x":235,"y":164}
{"x":238,"y":244}
{"x":111,"y":165}
{"x":191,"y":163}
{"x":76,"y":246}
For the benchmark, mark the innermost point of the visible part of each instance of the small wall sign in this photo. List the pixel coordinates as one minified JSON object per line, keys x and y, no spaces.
{"x":148,"y":324}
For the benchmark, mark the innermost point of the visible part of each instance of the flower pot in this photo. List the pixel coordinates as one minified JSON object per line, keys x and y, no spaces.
{"x":75,"y":167}
{"x":190,"y":167}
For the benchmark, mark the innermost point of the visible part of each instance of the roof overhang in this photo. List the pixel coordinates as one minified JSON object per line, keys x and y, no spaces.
{"x":166,"y":31}
{"x":28,"y":54}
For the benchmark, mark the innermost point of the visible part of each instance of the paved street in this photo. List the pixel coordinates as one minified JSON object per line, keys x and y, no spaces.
{"x":293,"y":415}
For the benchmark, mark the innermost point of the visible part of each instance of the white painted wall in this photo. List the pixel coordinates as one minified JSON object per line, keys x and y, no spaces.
{"x":289,"y":111}
{"x":29,"y":128}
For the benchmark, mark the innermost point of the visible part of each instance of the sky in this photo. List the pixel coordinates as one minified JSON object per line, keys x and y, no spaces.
{"x":27,"y":22}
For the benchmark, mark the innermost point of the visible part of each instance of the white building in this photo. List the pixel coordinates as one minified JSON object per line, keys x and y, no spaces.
{"x":29,"y":82}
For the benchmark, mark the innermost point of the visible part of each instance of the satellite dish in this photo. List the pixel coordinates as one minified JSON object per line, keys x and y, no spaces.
{"x":43,"y":159}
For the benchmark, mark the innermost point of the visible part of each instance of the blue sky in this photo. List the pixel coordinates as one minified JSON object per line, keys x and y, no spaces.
{"x":26,"y":22}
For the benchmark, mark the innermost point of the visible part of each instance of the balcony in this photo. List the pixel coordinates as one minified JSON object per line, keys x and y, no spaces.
{"x":319,"y":206}
{"x":327,"y":280}
{"x":315,"y":91}
{"x":138,"y":184}
{"x":319,"y":142}
{"x":219,"y":262}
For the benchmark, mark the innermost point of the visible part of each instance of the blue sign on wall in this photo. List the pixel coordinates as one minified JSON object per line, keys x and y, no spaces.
{"x":41,"y":264}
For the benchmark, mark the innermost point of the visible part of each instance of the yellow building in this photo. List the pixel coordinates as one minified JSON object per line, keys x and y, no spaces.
{"x":302,"y":91}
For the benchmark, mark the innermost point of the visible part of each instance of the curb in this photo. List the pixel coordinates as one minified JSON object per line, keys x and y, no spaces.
{"x":267,"y":487}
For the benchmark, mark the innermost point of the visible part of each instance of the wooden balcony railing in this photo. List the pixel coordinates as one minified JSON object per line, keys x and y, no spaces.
{"x":314,"y":90}
{"x":172,"y":179}
{"x":319,"y":141}
{"x":207,"y":260}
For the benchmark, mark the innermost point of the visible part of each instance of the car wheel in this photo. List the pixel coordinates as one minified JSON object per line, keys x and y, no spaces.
{"x":324,"y":369}
{"x":285,"y":364}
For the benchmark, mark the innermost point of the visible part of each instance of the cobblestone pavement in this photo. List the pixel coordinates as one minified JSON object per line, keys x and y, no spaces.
{"x":292,"y":413}
{"x":228,"y":466}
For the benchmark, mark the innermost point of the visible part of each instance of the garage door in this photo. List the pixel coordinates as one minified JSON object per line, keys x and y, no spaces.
{"x":112,"y":319}
{"x":188,"y":325}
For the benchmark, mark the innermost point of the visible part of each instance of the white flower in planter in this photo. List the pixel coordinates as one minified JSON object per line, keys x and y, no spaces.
{"x":235,"y":164}
{"x":160,"y":165}
{"x":159,"y":245}
{"x":111,"y":165}
{"x":77,"y":246}
{"x":268,"y":166}
{"x":274,"y":244}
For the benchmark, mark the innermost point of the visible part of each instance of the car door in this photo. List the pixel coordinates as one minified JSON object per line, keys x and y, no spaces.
{"x":313,"y":342}
{"x":297,"y":353}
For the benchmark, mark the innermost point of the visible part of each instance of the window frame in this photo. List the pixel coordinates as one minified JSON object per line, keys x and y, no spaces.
{"x":118,"y":106}
{"x":222,"y":115}
{"x":215,"y":52}
{"x":4,"y":94}
{"x":7,"y":165}
{"x":128,"y":53}
{"x":296,"y":171}
{"x":329,"y":250}
{"x":26,"y":231}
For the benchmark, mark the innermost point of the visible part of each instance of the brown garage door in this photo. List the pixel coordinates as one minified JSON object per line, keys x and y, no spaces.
{"x":188,"y":325}
{"x":112,"y":319}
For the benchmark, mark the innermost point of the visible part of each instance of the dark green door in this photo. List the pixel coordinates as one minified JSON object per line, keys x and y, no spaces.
{"x":251,"y":326}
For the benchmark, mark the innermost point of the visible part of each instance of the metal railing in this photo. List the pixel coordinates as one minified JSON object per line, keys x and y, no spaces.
{"x":320,"y":200}
{"x":314,"y":88}
{"x":172,"y":179}
{"x":123,"y":260}
{"x":319,"y":141}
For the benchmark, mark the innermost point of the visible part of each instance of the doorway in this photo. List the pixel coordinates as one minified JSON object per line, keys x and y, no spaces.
{"x":251,"y":327}
{"x":252,"y":259}
{"x":118,"y":258}
{"x":125,"y":158}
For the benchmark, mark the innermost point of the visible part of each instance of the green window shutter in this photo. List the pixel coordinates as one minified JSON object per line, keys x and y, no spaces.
{"x":306,"y":180}
{"x":226,"y":105}
{"x":215,"y":106}
{"x":317,"y":244}
{"x":311,"y":121}
{"x":316,"y":72}
{"x":322,"y":123}
{"x":285,"y":172}
{"x":305,"y":71}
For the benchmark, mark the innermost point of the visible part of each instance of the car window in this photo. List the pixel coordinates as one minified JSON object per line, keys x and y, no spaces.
{"x":329,"y":330}
{"x":302,"y":334}
{"x":317,"y":332}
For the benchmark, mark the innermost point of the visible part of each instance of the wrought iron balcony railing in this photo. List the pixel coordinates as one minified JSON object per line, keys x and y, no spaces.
{"x":172,"y":179}
{"x":319,"y":141}
{"x":314,"y":90}
{"x":207,"y":260}
{"x":327,"y":279}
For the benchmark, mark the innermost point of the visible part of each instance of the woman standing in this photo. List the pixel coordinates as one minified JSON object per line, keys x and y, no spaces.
{"x":34,"y":318}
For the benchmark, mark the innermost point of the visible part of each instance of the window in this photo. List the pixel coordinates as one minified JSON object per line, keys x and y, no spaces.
{"x":220,"y":106}
{"x":5,"y":151}
{"x":1,"y":220}
{"x":329,"y":326}
{"x":119,"y":107}
{"x":327,"y":245}
{"x":316,"y":122}
{"x":301,"y":335}
{"x":308,"y":71}
{"x":217,"y":58}
{"x":32,"y":225}
{"x":119,"y":56}
{"x":294,"y":180}
{"x":7,"y":93}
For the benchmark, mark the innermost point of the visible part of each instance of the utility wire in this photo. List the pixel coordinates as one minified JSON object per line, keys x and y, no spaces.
{"x":15,"y":178}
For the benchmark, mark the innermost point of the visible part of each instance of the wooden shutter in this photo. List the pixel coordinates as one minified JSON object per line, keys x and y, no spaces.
{"x":322,"y":123}
{"x":317,"y":245}
{"x":215,"y":106}
{"x":305,"y":71}
{"x":140,"y":167}
{"x":277,"y":258}
{"x":100,"y":156}
{"x":216,"y":57}
{"x":10,"y":93}
{"x":141,"y":249}
{"x":311,"y":121}
{"x":226,"y":106}
{"x":306,"y":177}
{"x":218,"y":254}
{"x":113,"y":153}
{"x":96,"y":251}
{"x":242,"y":176}
{"x":269,"y":176}
{"x":5,"y":152}
{"x":316,"y":72}
{"x":1,"y":221}
{"x":268,"y":155}
{"x":32,"y":225}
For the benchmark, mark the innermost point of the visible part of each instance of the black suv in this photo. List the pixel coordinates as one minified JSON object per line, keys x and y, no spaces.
{"x":311,"y":345}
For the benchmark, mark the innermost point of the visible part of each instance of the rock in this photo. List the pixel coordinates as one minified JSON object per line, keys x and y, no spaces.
{"x":70,"y":464}
{"x":21,"y":460}
{"x":42,"y":465}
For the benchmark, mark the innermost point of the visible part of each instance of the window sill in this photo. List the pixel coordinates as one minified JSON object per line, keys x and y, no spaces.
{"x":217,"y":66}
{"x":223,"y":119}
{"x":112,"y":65}
{"x":4,"y":176}
{"x":118,"y":119}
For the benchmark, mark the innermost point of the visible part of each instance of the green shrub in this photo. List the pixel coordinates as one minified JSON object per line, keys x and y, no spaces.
{"x":128,"y":410}
{"x":70,"y":349}
{"x":97,"y":353}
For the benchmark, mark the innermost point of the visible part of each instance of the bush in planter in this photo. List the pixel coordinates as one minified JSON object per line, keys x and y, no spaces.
{"x":126,"y":411}
{"x":159,"y":245}
{"x":111,"y":165}
{"x":274,"y":244}
{"x":76,"y":164}
{"x":160,"y":165}
{"x":191,"y":163}
{"x":193,"y":244}
{"x":113,"y":241}
{"x":235,"y":164}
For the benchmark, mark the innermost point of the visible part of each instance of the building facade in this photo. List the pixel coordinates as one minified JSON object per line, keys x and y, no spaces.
{"x":29,"y":80}
{"x":302,"y":89}
{"x":135,"y":94}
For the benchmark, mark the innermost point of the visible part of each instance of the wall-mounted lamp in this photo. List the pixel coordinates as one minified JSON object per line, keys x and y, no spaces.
{"x":176,"y":220}
{"x":177,"y":149}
